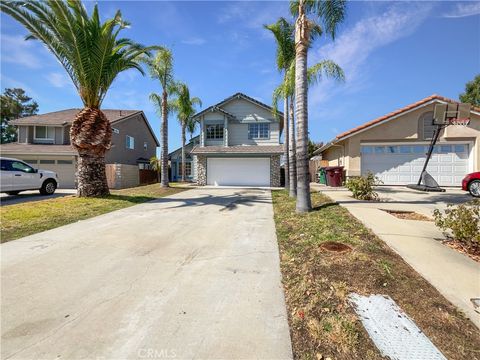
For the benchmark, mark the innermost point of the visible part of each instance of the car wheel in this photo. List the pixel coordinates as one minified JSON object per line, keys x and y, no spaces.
{"x":48,"y":187}
{"x":474,"y":188}
{"x":13,"y":192}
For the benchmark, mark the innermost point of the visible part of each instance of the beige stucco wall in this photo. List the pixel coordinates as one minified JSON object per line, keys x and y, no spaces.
{"x":404,"y":128}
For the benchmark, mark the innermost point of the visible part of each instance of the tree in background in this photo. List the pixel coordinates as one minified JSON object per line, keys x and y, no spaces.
{"x":161,"y":69}
{"x":283,"y":32}
{"x":14,"y":104}
{"x":331,"y":14}
{"x":184,"y":106}
{"x":156,"y":165}
{"x":93,"y":55}
{"x":312,"y":146}
{"x":472,"y":92}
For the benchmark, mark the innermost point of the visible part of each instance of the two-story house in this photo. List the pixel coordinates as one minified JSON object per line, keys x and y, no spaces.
{"x":44,"y":141}
{"x":239,"y":144}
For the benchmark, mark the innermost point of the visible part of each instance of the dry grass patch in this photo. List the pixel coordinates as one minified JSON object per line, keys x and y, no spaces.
{"x":317,"y":283}
{"x":19,"y":220}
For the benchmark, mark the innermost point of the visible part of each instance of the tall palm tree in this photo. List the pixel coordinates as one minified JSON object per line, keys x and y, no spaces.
{"x":283,"y":32}
{"x":93,"y":55}
{"x":161,"y":68}
{"x":286,"y":90}
{"x":184,"y":106}
{"x":330,"y":13}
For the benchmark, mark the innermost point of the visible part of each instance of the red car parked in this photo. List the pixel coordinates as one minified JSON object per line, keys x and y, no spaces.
{"x":471,"y":183}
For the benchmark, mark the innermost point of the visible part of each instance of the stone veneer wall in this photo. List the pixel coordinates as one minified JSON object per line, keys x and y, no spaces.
{"x":201,"y":170}
{"x":275,"y":170}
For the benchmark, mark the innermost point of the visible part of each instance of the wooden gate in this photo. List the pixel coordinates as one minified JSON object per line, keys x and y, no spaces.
{"x":148,"y":176}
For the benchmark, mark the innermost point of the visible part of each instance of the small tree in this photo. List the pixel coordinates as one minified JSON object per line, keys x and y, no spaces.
{"x":156,"y":165}
{"x":14,"y":104}
{"x":472,"y":92}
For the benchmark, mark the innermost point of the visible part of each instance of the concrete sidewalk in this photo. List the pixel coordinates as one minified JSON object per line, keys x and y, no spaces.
{"x":455,"y":275}
{"x":192,"y":275}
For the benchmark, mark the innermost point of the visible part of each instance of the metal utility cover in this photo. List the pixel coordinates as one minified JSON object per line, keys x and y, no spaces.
{"x":392,"y":331}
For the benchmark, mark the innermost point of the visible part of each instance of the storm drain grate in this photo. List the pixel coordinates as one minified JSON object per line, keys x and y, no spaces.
{"x":392,"y":331}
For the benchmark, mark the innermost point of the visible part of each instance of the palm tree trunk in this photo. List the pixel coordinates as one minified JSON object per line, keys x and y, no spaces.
{"x":292,"y":152}
{"x":286,"y":143}
{"x":302,"y":35}
{"x":164,"y":152}
{"x":184,"y":172}
{"x":91,"y":135}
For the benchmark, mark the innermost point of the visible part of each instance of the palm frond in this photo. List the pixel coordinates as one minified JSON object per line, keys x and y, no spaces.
{"x":92,"y":52}
{"x":325,"y":68}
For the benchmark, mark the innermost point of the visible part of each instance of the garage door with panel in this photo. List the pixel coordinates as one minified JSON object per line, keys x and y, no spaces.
{"x":64,"y":167}
{"x":402,"y":164}
{"x":238,"y":171}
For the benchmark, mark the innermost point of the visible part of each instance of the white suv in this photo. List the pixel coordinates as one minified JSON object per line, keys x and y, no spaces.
{"x":16,"y":176}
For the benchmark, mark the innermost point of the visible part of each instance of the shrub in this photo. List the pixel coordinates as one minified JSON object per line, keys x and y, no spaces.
{"x":362,"y":186}
{"x":462,"y":223}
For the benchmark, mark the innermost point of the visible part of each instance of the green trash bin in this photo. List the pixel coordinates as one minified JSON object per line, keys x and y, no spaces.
{"x":322,"y":176}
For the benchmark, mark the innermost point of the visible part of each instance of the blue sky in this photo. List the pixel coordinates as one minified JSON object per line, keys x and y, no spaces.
{"x":393,"y":54}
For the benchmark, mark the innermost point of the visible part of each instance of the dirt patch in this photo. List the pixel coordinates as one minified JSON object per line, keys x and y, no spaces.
{"x":317,"y":284}
{"x":458,"y":246}
{"x":333,"y":246}
{"x":408,"y":215}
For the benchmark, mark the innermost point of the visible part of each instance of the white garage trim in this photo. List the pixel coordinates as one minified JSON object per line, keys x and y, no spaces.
{"x":238,"y":171}
{"x":403,"y":165}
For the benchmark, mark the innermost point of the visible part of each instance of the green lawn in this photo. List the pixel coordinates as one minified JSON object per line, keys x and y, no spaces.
{"x":24,"y":219}
{"x":317,"y":283}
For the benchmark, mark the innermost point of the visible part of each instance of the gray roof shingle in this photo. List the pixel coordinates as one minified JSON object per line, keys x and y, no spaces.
{"x":67,"y":116}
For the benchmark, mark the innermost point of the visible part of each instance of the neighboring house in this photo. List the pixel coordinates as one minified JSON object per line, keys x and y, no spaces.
{"x":175,"y":158}
{"x":44,"y":142}
{"x":394,"y":146}
{"x":239,"y":144}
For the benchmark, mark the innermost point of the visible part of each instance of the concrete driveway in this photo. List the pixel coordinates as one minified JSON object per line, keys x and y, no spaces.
{"x":194,"y":275}
{"x":33,"y":195}
{"x":454,"y":274}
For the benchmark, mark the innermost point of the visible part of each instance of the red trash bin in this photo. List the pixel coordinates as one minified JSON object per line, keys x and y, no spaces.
{"x":334,"y":175}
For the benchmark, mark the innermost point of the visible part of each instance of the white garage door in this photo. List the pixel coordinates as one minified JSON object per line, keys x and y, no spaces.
{"x":65,"y":169}
{"x":402,"y":164}
{"x":238,"y":171}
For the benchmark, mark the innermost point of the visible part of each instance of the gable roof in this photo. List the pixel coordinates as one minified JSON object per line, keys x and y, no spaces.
{"x":66,"y":117}
{"x":390,"y":116}
{"x":238,"y":95}
{"x":189,"y":143}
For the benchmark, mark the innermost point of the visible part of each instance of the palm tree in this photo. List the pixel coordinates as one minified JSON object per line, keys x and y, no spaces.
{"x":184,"y":106}
{"x":286,"y":90}
{"x":161,"y":68}
{"x":93,"y":55}
{"x":156,"y":165}
{"x":283,"y":32}
{"x":331,"y":14}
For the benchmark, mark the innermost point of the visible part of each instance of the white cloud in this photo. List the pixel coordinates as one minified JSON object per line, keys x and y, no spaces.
{"x":59,"y":79}
{"x":354,"y":46}
{"x":15,"y":49}
{"x":194,"y":41}
{"x":464,"y":9}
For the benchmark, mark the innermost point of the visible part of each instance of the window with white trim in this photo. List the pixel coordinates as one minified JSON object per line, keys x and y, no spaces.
{"x":259,"y":131}
{"x":44,"y":132}
{"x":188,"y":169}
{"x":130,"y":142}
{"x":214,"y":132}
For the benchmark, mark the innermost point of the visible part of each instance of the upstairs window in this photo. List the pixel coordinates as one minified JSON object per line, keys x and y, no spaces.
{"x":426,"y":125}
{"x":259,"y":131}
{"x":214,"y":132}
{"x":145,"y":146}
{"x":130,"y":142}
{"x":44,"y":133}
